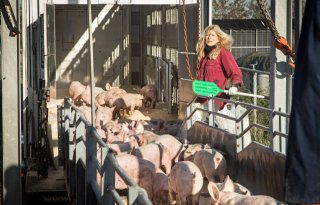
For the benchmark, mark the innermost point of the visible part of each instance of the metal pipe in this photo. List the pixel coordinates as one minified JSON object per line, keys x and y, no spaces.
{"x":254,"y":90}
{"x":91,"y":64}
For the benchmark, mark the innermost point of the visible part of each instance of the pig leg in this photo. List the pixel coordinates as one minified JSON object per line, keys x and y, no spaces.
{"x":195,"y":199}
{"x":172,"y":196}
{"x":153,"y":104}
{"x":181,"y":200}
{"x":131,"y":109}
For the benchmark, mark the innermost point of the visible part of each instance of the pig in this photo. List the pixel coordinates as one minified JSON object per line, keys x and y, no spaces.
{"x":102,"y":99}
{"x":141,"y":171}
{"x":126,"y":147}
{"x":212,"y":164}
{"x":86,"y":111}
{"x":185,"y":180}
{"x":121,"y":135}
{"x":102,"y":134}
{"x":160,"y":188}
{"x":137,"y":126}
{"x":227,"y":196}
{"x":112,"y":127}
{"x":103,"y":116}
{"x":75,"y":90}
{"x":155,"y":153}
{"x":146,"y":137}
{"x":172,"y":144}
{"x":191,"y":150}
{"x":234,"y":187}
{"x":86,"y":94}
{"x":150,"y":94}
{"x":128,"y":101}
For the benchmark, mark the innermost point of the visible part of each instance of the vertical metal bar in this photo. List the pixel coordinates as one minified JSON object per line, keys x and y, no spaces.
{"x":278,"y":97}
{"x":254,"y":90}
{"x":289,"y":76}
{"x":91,"y":152}
{"x":204,"y":14}
{"x":211,"y":108}
{"x":108,"y":179}
{"x":10,"y":119}
{"x":188,"y":112}
{"x":71,"y":148}
{"x":65,"y":130}
{"x":24,"y":73}
{"x":210,"y":12}
{"x":79,"y":157}
{"x":91,"y":63}
{"x":169,"y":88}
{"x":297,"y":20}
{"x":280,"y":130}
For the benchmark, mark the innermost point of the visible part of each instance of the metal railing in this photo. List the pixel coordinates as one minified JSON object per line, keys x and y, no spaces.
{"x":282,"y":136}
{"x":79,"y":142}
{"x":164,"y":81}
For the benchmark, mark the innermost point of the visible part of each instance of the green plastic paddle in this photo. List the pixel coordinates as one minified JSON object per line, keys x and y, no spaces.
{"x":205,"y":88}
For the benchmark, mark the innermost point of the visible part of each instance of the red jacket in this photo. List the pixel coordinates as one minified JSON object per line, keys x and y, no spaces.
{"x":219,"y":71}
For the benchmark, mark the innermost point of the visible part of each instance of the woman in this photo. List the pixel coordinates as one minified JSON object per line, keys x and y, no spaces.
{"x":216,"y":63}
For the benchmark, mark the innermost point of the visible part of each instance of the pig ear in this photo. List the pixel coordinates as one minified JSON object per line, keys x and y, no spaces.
{"x":107,"y":86}
{"x":206,"y":146}
{"x":228,"y":184}
{"x":214,"y":192}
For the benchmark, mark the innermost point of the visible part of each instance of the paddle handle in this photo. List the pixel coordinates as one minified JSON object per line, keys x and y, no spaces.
{"x":245,"y":94}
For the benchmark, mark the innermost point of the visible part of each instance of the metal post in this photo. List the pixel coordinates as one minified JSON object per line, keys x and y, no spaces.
{"x":91,"y":64}
{"x":254,"y":90}
{"x":169,"y":87}
{"x":279,"y":68}
{"x":211,"y":108}
{"x":210,"y":12}
{"x":91,"y":152}
{"x":297,"y":20}
{"x":10,"y":119}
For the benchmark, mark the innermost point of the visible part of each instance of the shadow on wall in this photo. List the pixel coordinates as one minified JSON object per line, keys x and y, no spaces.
{"x":262,"y":61}
{"x":261,"y":58}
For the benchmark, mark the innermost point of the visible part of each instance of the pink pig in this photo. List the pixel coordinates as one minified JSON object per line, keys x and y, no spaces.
{"x":103,"y":116}
{"x":150,"y":94}
{"x":174,"y":145}
{"x":185,"y":180}
{"x":75,"y":90}
{"x":157,"y":154}
{"x":212,"y":164}
{"x":160,"y":188}
{"x":227,"y":196}
{"x":127,"y":101}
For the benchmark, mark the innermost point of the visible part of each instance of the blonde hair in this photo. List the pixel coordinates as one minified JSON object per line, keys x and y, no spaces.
{"x":225,"y":41}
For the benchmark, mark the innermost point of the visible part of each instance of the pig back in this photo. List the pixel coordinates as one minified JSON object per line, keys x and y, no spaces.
{"x":185,"y":179}
{"x":140,"y":170}
{"x":170,"y":142}
{"x":158,"y":154}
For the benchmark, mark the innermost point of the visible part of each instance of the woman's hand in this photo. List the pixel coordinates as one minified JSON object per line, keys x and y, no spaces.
{"x":233,"y":90}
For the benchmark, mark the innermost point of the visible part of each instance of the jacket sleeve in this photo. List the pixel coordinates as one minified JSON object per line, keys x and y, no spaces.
{"x":231,"y":67}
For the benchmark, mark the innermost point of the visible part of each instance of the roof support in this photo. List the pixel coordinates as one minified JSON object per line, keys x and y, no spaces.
{"x":10,"y":115}
{"x":279,"y":76}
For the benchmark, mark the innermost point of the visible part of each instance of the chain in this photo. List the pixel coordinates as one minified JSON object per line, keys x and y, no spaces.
{"x":280,"y":42}
{"x":266,"y":14}
{"x":186,"y":39}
